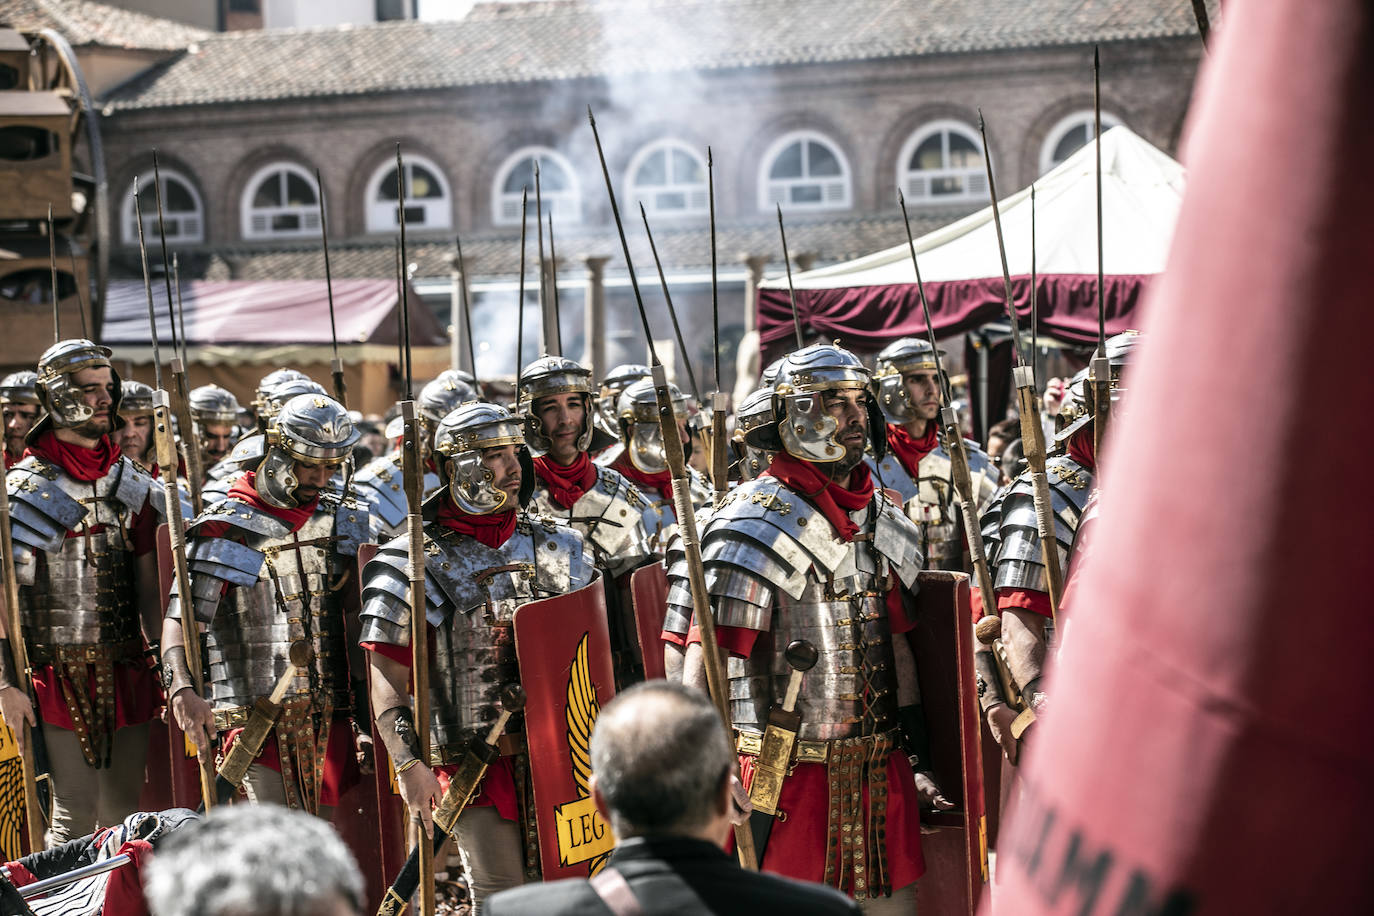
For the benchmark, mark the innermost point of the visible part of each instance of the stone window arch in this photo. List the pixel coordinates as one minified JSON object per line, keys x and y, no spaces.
{"x":669,"y":178}
{"x":429,"y":203}
{"x":805,"y":170}
{"x":182,"y":209}
{"x":280,"y":200}
{"x":1070,"y":134}
{"x":942,"y":162}
{"x":561,"y":193}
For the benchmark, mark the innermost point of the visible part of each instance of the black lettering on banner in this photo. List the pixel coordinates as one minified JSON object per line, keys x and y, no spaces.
{"x":1085,"y":879}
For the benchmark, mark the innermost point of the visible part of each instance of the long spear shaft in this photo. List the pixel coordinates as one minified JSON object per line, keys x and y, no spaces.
{"x":1032,"y":433}
{"x":672,"y":312}
{"x":520,"y":298}
{"x":720,"y":463}
{"x":466,"y":306}
{"x":1100,"y":369}
{"x":687,"y":523}
{"x":181,"y":312}
{"x":336,"y":364}
{"x":181,"y":405}
{"x":412,"y":476}
{"x":166,"y":458}
{"x":1034,"y":297}
{"x":557,"y":346}
{"x":546,"y":331}
{"x":52,"y":267}
{"x":80,"y":299}
{"x":791,"y":293}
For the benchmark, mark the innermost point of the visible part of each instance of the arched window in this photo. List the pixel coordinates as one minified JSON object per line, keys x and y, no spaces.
{"x":428,"y":205}
{"x":669,"y":178}
{"x":804,"y":171}
{"x":185,"y":217}
{"x":557,"y":182}
{"x":1069,"y":135}
{"x":279,"y":201}
{"x":942,"y":163}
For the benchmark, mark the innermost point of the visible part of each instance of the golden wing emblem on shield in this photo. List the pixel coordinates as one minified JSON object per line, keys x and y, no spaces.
{"x":581,"y":711}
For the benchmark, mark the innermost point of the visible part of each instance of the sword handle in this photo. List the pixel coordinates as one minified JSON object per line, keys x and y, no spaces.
{"x":801,"y":656}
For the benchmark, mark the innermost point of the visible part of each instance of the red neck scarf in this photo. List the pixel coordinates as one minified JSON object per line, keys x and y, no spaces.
{"x":662,"y":481}
{"x":909,"y":450}
{"x":83,"y":463}
{"x":566,"y":483}
{"x":492,"y":530}
{"x":246,"y":490}
{"x":1081,"y":448}
{"x":834,"y":501}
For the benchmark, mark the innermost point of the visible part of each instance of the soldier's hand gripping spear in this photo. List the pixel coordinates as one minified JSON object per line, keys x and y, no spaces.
{"x":480,"y":754}
{"x":682,"y":499}
{"x":413,"y":476}
{"x":167,"y":461}
{"x":181,"y":405}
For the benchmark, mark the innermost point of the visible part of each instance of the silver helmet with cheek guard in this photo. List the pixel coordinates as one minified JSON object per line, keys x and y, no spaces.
{"x":213,"y":404}
{"x":909,"y":354}
{"x":137,"y":400}
{"x":639,"y":426}
{"x":64,"y":403}
{"x":19,"y":388}
{"x":276,"y":397}
{"x":806,"y":430}
{"x":310,"y":428}
{"x":460,"y":441}
{"x":272,"y":380}
{"x":546,"y":377}
{"x":616,"y":381}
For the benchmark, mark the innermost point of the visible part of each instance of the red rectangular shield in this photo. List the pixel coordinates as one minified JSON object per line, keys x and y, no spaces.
{"x":172,"y":779}
{"x":942,"y":642}
{"x":564,"y":650}
{"x":649,"y":593}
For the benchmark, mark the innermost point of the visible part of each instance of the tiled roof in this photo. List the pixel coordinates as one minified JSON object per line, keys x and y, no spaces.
{"x":85,"y":24}
{"x":498,"y":255}
{"x":568,"y":39}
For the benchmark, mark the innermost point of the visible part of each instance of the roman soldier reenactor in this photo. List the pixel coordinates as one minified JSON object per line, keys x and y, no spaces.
{"x":484,"y":557}
{"x":84,"y":523}
{"x":379,"y":482}
{"x":1012,"y":540}
{"x":812,"y":551}
{"x":248,"y":452}
{"x":215,"y":411}
{"x":642,"y":462}
{"x":916,"y":465}
{"x":270,"y":567}
{"x":19,"y":403}
{"x":136,"y":435}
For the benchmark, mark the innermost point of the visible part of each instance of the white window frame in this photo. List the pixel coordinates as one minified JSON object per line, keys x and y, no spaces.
{"x":1066,"y":124}
{"x":566,"y":206}
{"x":696,"y":193}
{"x":309,"y":215}
{"x":915,"y":183}
{"x":836,"y":191}
{"x":381,"y":214}
{"x":183,"y":228}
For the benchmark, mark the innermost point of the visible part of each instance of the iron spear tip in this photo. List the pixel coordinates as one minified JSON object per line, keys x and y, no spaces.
{"x":708,"y":156}
{"x":1095,"y":57}
{"x":901,"y":199}
{"x":590,"y":116}
{"x":982,"y":127}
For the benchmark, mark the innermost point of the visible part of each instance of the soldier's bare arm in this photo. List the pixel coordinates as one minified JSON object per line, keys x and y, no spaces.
{"x":192,"y":713}
{"x":1023,"y":634}
{"x":396,"y":727}
{"x":14,"y":699}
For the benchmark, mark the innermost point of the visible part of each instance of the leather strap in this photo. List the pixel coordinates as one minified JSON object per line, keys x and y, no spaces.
{"x":614,"y":891}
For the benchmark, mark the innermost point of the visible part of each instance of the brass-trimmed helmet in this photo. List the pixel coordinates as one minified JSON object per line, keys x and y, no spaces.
{"x":754,"y":412}
{"x":137,"y":400}
{"x":272,"y":380}
{"x":19,"y":388}
{"x":213,"y":404}
{"x":907,"y":354}
{"x":275,"y":398}
{"x":802,"y":426}
{"x":63,"y":403}
{"x":312,"y":428}
{"x":637,"y":412}
{"x":1076,"y":410}
{"x":459,"y":441}
{"x":617,"y":380}
{"x":548,"y":376}
{"x":441,"y":396}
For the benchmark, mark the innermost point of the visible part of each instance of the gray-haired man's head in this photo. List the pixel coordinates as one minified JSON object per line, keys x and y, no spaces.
{"x":255,"y":860}
{"x":661,"y":761}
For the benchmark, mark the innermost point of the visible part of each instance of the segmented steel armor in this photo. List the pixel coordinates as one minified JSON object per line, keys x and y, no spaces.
{"x":471,"y":594}
{"x":380,"y":486}
{"x":932,"y":503}
{"x":1011,"y":537}
{"x":284,"y":587}
{"x":609,"y":516}
{"x":775,"y":564}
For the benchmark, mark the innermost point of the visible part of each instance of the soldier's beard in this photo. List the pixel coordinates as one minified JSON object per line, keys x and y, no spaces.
{"x":853,"y":457}
{"x":93,"y":428}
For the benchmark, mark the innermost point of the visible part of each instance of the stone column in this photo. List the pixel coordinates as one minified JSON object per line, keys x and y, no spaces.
{"x":754,"y":263}
{"x":747,"y":363}
{"x":594,"y":316}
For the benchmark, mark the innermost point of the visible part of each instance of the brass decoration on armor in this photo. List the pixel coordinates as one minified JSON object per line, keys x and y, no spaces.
{"x":856,"y":847}
{"x":93,"y":722}
{"x":1070,"y":476}
{"x":302,"y":741}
